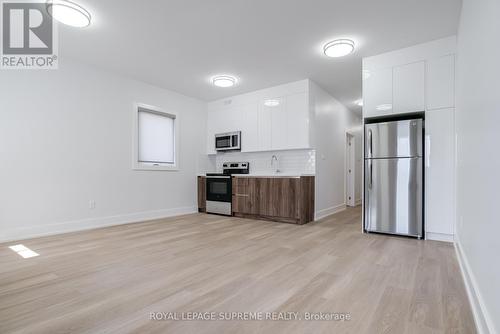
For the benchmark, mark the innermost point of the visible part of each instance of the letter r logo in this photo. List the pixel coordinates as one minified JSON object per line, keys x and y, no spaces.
{"x":27,"y":28}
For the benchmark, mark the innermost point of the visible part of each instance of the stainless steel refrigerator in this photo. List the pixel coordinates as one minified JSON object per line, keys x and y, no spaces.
{"x":393,"y":179}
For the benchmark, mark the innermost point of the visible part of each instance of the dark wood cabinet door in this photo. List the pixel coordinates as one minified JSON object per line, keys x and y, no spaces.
{"x":278,"y":197}
{"x":245,"y":193}
{"x":202,"y":194}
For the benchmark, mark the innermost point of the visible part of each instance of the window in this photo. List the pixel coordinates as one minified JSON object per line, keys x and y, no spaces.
{"x":155,"y":146}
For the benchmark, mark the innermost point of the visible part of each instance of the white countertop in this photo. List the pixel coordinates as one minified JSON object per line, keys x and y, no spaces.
{"x":263,"y":174}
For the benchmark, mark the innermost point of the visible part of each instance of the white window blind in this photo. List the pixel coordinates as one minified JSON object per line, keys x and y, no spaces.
{"x":156,"y":137}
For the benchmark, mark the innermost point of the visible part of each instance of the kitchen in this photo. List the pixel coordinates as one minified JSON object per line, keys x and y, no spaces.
{"x":415,"y":85}
{"x":272,"y":133}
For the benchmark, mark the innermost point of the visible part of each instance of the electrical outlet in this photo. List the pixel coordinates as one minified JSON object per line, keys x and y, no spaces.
{"x":91,"y":204}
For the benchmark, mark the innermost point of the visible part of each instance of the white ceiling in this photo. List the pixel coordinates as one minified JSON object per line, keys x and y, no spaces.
{"x":180,"y":44}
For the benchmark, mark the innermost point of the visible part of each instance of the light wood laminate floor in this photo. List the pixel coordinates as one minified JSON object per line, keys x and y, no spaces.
{"x":109,"y":280}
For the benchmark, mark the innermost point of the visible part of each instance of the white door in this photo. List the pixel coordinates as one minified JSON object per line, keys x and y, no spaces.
{"x":350,"y":170}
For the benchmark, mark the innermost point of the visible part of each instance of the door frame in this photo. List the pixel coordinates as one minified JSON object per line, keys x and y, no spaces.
{"x":350,"y":169}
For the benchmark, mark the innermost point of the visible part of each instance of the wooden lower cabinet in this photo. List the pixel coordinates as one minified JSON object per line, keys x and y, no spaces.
{"x":275,"y":198}
{"x":202,"y":194}
{"x":245,"y":195}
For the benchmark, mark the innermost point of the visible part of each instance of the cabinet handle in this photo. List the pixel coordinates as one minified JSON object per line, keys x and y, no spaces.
{"x":241,"y":195}
{"x":427,"y":151}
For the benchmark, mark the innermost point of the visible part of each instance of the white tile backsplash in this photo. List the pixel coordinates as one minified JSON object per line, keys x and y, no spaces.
{"x":292,"y":161}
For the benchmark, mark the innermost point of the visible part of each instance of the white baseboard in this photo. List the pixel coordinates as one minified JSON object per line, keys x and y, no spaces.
{"x":329,"y":211}
{"x":439,"y":236}
{"x":92,"y":223}
{"x":482,"y":318}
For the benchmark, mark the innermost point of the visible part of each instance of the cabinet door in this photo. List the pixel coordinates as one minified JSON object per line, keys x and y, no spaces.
{"x":297,"y":121}
{"x":250,"y":128}
{"x":214,"y":118}
{"x":265,"y":128}
{"x":377,"y":92}
{"x":245,"y":195}
{"x":231,"y":119}
{"x":278,"y":197}
{"x":440,"y":83}
{"x":439,"y":171}
{"x":278,"y":123}
{"x":408,"y":91}
{"x":202,"y":193}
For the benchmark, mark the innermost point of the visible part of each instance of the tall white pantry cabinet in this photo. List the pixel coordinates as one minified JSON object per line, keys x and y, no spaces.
{"x":421,"y":78}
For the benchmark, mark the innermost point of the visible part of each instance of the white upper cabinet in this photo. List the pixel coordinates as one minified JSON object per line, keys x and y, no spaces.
{"x":377,"y":92}
{"x":279,"y":115}
{"x":440,"y":83}
{"x":413,"y":79}
{"x":250,"y":128}
{"x":297,"y":121}
{"x":265,"y":127}
{"x":276,"y":118}
{"x":221,"y":120}
{"x":408,"y":88}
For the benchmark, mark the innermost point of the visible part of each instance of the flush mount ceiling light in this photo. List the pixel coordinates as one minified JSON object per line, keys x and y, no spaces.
{"x":338,"y":48}
{"x":69,"y":13}
{"x":224,"y":81}
{"x":272,"y":103}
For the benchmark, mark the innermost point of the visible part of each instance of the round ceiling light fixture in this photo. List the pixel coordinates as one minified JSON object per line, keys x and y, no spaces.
{"x":338,"y":48}
{"x":69,"y":13}
{"x":224,"y":81}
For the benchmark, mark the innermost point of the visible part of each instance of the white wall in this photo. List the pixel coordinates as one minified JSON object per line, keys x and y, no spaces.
{"x":289,"y":161}
{"x":478,"y":159}
{"x":66,"y":139}
{"x":358,"y":174}
{"x":331,"y":121}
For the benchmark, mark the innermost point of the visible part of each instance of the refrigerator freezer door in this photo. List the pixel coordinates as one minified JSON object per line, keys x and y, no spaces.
{"x":393,"y":196}
{"x":394,"y":139}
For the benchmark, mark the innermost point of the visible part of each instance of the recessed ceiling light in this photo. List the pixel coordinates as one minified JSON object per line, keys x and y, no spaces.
{"x":69,"y":13}
{"x":359,"y":102}
{"x":224,"y":81}
{"x":272,"y":103}
{"x":338,"y":48}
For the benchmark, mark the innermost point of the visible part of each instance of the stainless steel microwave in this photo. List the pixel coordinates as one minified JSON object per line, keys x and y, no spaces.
{"x":228,"y":141}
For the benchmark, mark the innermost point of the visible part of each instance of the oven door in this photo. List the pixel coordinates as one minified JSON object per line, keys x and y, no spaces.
{"x":219,"y":188}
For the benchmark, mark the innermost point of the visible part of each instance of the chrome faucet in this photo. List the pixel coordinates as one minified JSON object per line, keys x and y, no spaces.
{"x":274,"y":157}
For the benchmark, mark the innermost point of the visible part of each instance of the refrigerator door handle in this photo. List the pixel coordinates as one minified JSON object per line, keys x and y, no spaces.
{"x":370,"y":148}
{"x":370,"y":173}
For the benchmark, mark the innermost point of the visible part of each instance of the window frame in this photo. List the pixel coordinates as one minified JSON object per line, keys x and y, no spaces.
{"x":138,"y":165}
